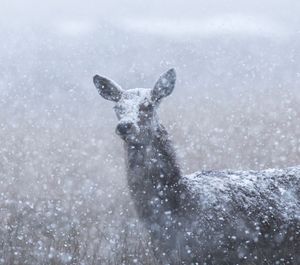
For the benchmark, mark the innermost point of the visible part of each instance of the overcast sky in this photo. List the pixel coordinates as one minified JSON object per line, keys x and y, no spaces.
{"x":172,"y":18}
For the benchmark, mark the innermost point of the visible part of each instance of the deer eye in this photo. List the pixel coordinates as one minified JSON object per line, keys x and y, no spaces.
{"x":147,"y":106}
{"x":118,"y":108}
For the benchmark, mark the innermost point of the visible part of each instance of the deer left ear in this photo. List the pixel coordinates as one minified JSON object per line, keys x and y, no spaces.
{"x":165,"y":85}
{"x":107,"y":88}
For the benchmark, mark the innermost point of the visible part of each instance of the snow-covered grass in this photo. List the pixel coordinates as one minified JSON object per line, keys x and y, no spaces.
{"x":48,"y":231}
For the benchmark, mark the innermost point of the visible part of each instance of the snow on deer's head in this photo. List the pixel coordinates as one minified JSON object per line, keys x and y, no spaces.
{"x":136,"y":108}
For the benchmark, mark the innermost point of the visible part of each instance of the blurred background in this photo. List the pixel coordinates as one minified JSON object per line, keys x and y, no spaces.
{"x":63,"y":184}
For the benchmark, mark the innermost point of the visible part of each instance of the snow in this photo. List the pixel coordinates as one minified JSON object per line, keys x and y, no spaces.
{"x":274,"y":191}
{"x":127,"y":107}
{"x":63,"y":188}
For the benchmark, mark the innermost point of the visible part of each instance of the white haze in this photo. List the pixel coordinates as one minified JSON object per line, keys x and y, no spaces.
{"x":236,"y":105}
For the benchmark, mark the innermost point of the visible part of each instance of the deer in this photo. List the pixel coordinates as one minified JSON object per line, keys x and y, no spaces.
{"x":210,"y":216}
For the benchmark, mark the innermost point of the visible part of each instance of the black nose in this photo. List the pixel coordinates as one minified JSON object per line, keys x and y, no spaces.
{"x":124,"y":128}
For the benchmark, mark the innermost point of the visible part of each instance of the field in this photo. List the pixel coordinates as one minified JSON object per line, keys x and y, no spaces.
{"x":63,"y":192}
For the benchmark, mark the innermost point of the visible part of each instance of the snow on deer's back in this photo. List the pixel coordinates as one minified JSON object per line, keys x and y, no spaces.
{"x":209,"y":217}
{"x":273,"y":191}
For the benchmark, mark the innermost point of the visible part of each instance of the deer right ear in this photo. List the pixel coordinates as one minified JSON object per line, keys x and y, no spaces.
{"x":107,"y":88}
{"x":165,"y":85}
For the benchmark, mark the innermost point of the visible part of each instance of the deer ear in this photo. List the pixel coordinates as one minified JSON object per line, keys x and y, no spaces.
{"x":107,"y":88}
{"x":164,"y":85}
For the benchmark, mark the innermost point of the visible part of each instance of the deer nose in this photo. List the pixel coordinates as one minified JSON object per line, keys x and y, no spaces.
{"x":124,"y":128}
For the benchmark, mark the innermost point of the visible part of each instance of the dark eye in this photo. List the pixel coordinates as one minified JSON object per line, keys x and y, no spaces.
{"x":119,"y":108}
{"x":147,"y":106}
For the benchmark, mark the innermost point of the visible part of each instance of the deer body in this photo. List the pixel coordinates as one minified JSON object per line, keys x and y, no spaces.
{"x":210,"y":217}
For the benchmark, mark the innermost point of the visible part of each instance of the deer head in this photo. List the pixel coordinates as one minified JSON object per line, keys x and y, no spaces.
{"x":136,"y":108}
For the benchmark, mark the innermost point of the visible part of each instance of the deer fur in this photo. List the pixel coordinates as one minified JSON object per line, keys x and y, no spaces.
{"x":209,"y":217}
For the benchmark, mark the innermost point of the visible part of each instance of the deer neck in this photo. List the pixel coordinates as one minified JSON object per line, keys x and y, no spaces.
{"x":154,"y":176}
